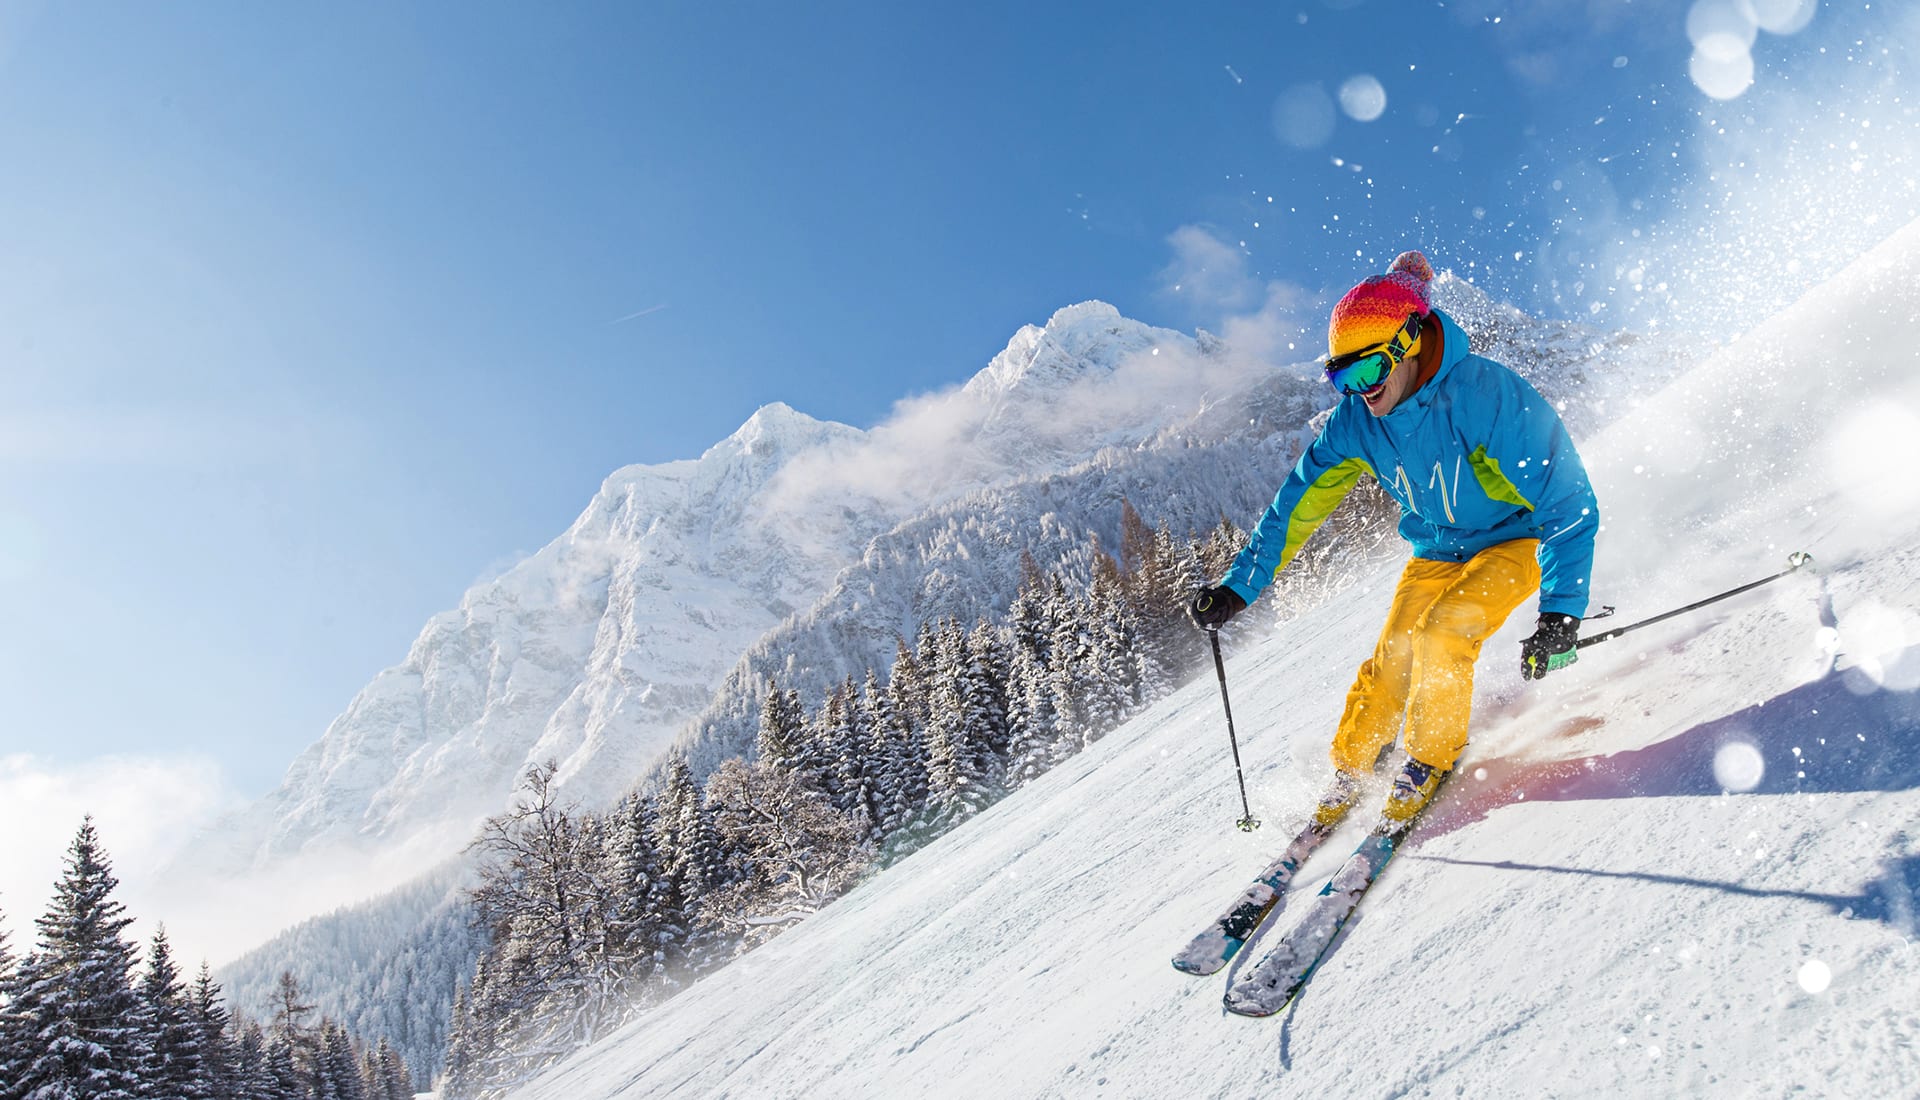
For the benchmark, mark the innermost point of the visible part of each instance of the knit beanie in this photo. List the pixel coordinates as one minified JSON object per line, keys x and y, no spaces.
{"x":1373,"y":311}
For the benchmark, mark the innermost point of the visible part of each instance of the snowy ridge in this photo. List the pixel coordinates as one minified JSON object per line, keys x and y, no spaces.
{"x":1588,"y":911}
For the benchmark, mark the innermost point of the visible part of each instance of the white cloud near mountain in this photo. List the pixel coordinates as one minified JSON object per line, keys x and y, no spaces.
{"x":144,"y":807}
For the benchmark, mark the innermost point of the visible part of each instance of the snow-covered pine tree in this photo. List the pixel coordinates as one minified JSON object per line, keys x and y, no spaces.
{"x":1030,"y":717}
{"x":337,"y":1075}
{"x":13,"y":1030}
{"x":990,"y":647}
{"x":858,"y":757}
{"x":956,"y":782}
{"x":1110,"y":682}
{"x":86,"y":1027}
{"x":906,"y":715}
{"x":886,"y":744}
{"x":782,"y":722}
{"x":177,"y":1064}
{"x":692,"y":862}
{"x":252,"y":1079}
{"x":823,"y":761}
{"x":219,"y":1047}
{"x":282,"y":1075}
{"x":1070,"y":667}
{"x":385,"y":1074}
{"x":642,"y":937}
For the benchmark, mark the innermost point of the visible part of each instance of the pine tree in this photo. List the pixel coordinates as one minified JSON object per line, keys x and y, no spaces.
{"x":906,"y":718}
{"x":337,"y":1075}
{"x":253,"y":1076}
{"x":1030,"y":716}
{"x":782,"y":721}
{"x":219,"y":1053}
{"x":75,"y":997}
{"x":386,"y":1074}
{"x":990,"y":648}
{"x":177,"y":1064}
{"x":857,"y":759}
{"x":13,"y":1026}
{"x":1113,"y":683}
{"x":824,"y":761}
{"x":1069,"y":667}
{"x":691,"y":862}
{"x":956,"y":784}
{"x":643,"y":937}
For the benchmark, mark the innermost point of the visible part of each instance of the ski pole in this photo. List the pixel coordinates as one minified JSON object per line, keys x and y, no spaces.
{"x":1794,"y":561}
{"x":1246,"y":824}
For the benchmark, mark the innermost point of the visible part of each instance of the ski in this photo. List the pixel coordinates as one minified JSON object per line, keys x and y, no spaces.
{"x":1278,"y":978}
{"x":1217,"y":945}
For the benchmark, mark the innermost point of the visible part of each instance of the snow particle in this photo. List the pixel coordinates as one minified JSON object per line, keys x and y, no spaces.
{"x":1363,"y":98}
{"x":1814,"y":976}
{"x":1738,"y":767}
{"x":1721,"y":79}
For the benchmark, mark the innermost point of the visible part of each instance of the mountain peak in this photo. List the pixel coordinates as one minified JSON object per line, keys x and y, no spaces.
{"x":1087,"y":338}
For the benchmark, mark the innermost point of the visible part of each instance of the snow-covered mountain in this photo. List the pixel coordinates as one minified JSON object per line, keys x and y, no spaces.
{"x":598,"y":649}
{"x":592,"y":651}
{"x":1686,"y":866}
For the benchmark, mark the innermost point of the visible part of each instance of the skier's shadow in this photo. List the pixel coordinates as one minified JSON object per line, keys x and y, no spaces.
{"x":1844,"y":732}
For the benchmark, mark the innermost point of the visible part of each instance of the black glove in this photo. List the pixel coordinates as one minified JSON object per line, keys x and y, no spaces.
{"x":1551,"y":647}
{"x":1212,"y":607}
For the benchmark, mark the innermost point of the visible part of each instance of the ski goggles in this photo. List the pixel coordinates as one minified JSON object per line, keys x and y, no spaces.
{"x":1363,"y":371}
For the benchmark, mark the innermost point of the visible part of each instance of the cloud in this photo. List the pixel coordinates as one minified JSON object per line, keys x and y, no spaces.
{"x":1208,"y":274}
{"x":145,"y":809}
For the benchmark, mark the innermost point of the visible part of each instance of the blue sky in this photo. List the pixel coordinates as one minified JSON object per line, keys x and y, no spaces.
{"x":310,"y":318}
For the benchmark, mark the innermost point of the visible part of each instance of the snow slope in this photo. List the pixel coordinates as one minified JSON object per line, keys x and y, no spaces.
{"x":1589,"y":910}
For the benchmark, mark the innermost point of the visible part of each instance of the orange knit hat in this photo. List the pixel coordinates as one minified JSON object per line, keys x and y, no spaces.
{"x":1373,"y":311}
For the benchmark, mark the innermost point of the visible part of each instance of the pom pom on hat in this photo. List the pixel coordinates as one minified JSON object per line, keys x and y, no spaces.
{"x":1373,"y":311}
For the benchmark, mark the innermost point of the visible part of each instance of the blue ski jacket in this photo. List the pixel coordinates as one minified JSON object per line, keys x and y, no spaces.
{"x":1475,"y":457}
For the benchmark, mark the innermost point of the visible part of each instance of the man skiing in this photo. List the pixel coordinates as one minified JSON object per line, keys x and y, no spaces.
{"x":1493,"y":499}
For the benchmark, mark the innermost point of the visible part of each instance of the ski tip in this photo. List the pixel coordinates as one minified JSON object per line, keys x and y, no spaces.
{"x":1198,"y":969}
{"x":1250,"y":1008}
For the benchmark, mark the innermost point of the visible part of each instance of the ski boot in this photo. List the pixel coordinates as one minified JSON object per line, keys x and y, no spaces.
{"x":1333,"y":807}
{"x":1411,"y":792}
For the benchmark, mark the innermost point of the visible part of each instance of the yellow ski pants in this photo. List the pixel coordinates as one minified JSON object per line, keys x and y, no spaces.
{"x":1422,"y":668}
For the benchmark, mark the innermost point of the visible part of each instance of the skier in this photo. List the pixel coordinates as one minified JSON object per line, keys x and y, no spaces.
{"x":1493,"y":499}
